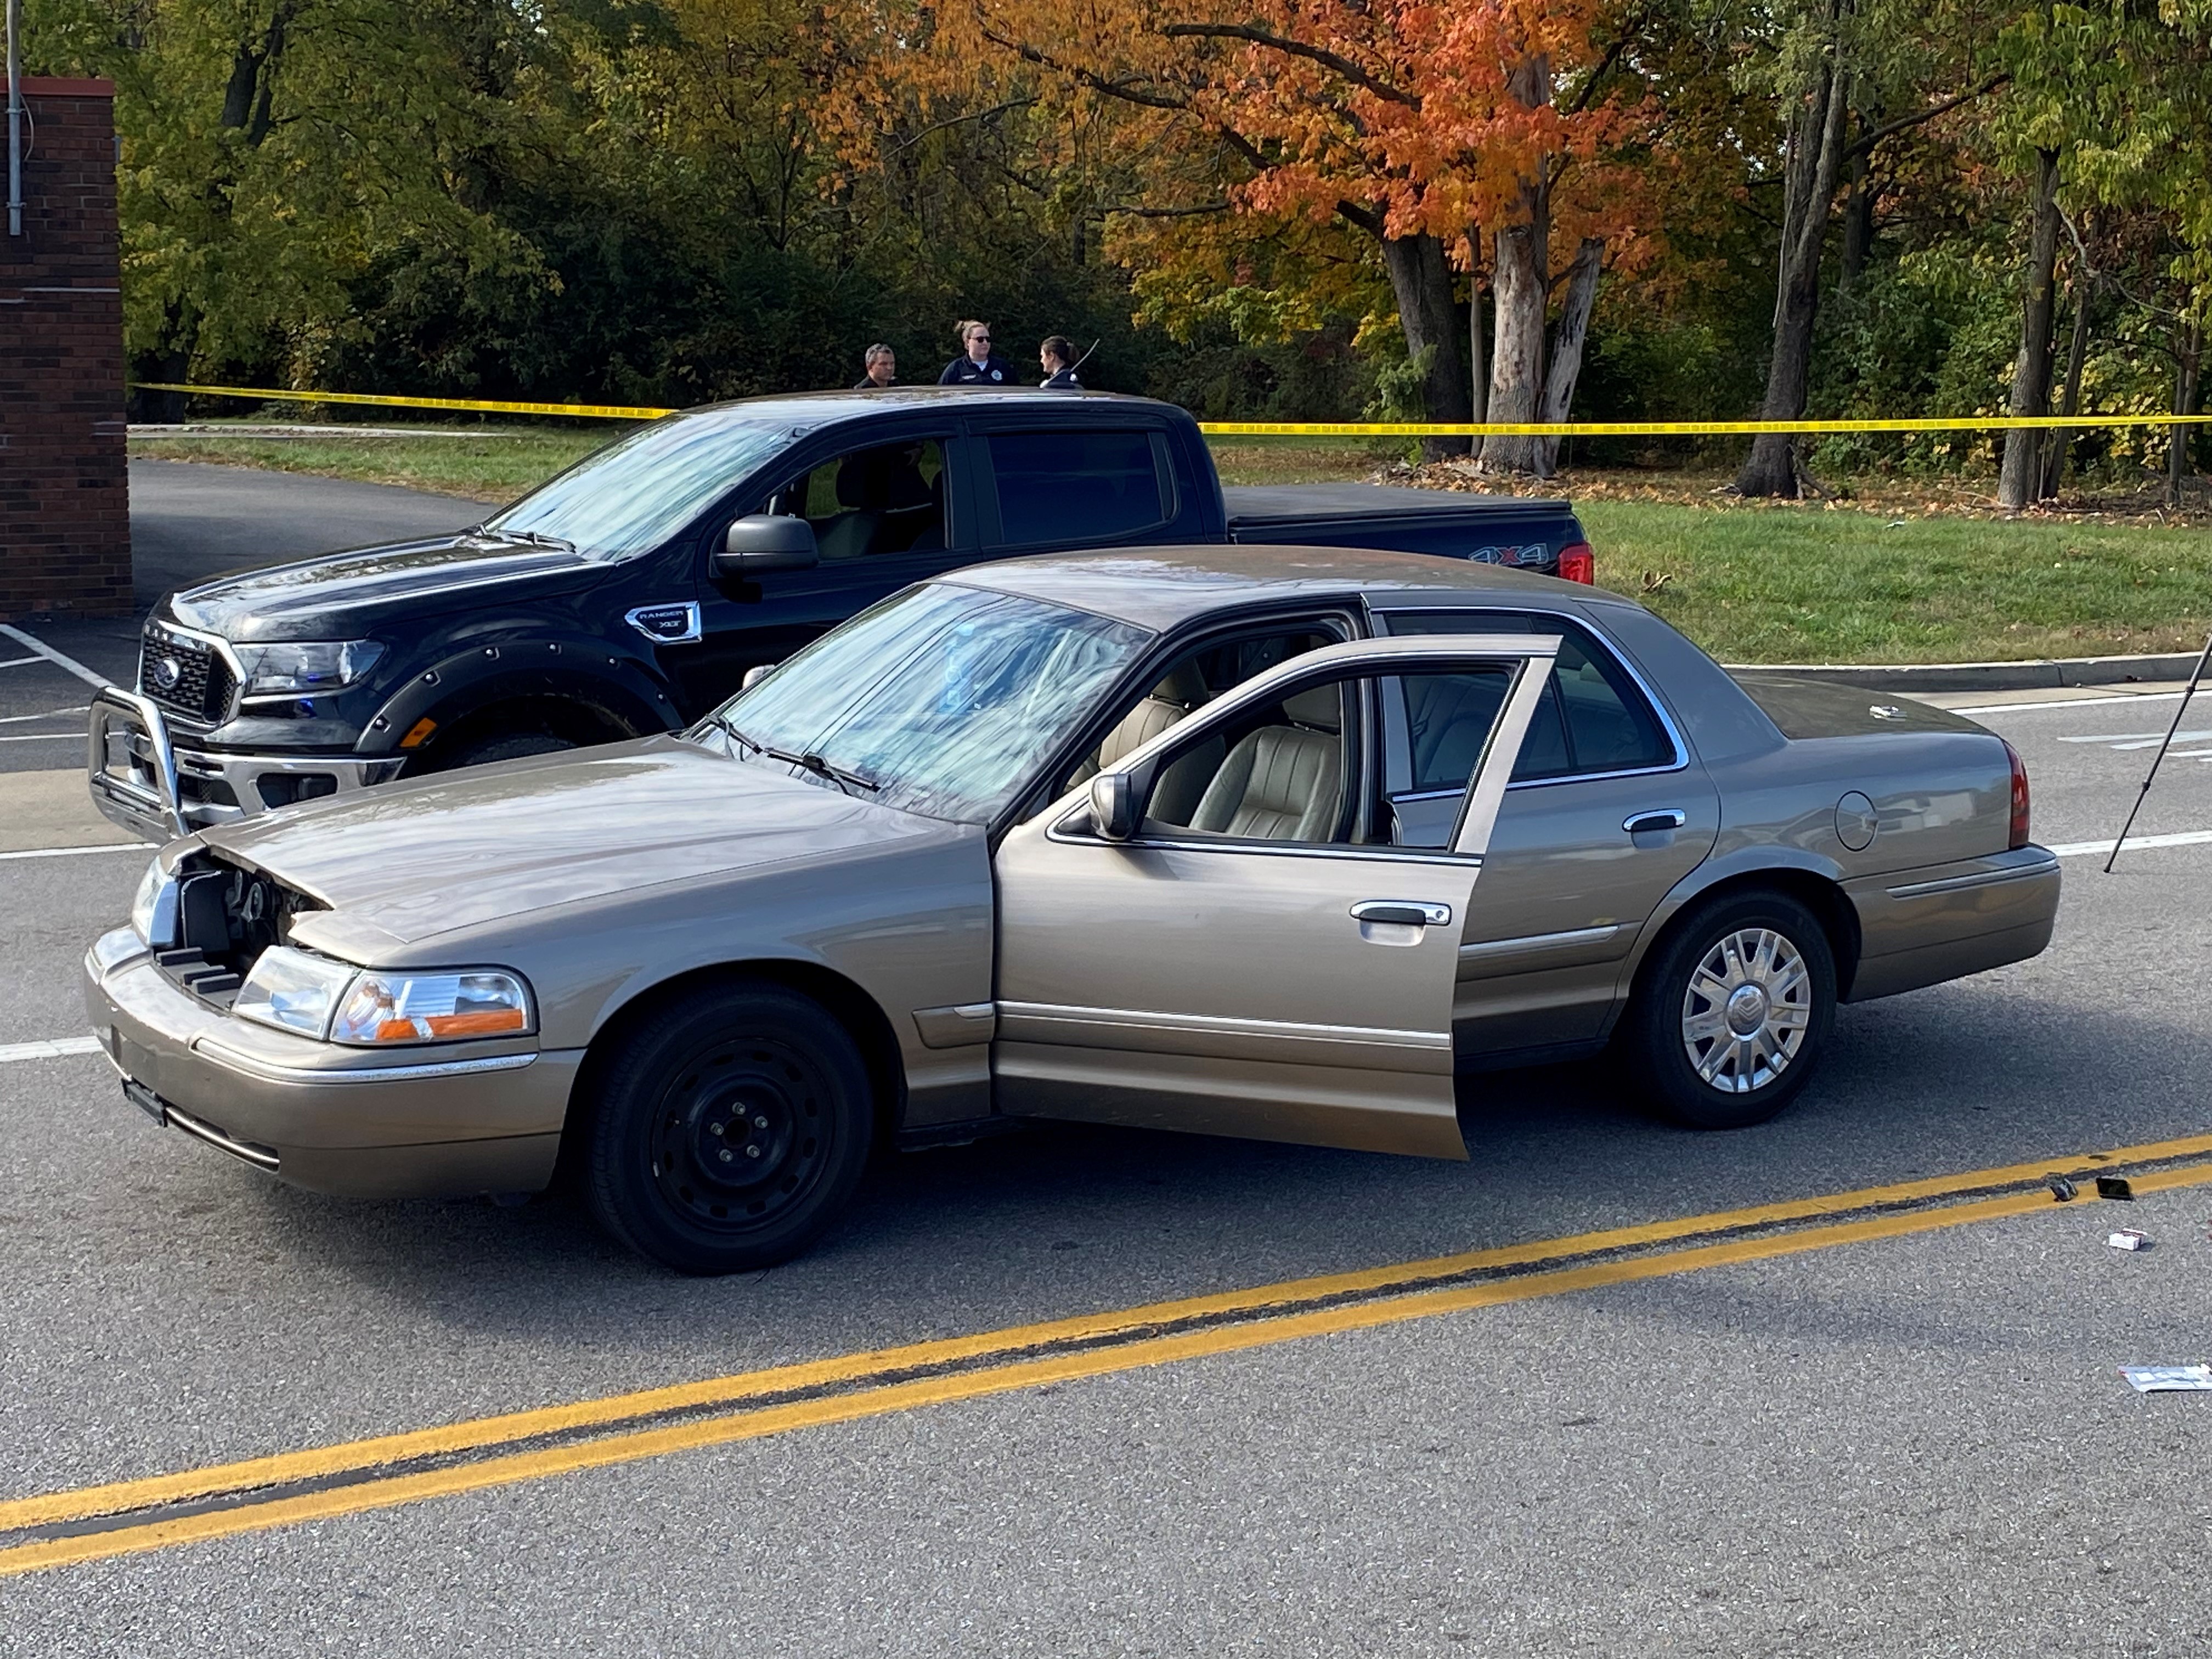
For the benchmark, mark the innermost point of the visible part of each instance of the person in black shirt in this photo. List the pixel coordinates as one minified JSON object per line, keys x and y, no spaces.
{"x":1056,"y":356}
{"x":980,"y":366}
{"x":882,"y":364}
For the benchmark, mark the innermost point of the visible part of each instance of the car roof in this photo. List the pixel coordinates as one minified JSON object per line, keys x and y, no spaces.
{"x":1162,"y":587}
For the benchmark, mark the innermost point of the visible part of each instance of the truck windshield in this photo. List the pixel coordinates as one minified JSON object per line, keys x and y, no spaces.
{"x":634,"y":495}
{"x":941,"y":701}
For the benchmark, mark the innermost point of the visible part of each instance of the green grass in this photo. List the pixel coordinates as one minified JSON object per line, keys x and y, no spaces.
{"x":492,"y":466}
{"x":1750,"y":582}
{"x":1754,"y":584}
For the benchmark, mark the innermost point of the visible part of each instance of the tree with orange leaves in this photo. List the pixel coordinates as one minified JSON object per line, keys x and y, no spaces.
{"x":1428,"y":129}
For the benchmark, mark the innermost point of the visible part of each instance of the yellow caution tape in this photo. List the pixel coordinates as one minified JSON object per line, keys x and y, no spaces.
{"x":593,"y":411}
{"x":1308,"y":428}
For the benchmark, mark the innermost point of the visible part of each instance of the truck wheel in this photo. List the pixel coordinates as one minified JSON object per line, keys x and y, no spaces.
{"x":1728,"y":1024}
{"x":511,"y":745}
{"x":730,"y":1129}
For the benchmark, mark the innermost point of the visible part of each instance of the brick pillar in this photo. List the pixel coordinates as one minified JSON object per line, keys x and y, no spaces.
{"x":64,"y":492}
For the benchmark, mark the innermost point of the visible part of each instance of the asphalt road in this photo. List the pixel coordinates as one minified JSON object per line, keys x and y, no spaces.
{"x":1907,"y":1446}
{"x":188,"y":522}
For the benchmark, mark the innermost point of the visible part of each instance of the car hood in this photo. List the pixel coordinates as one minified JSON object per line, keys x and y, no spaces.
{"x":409,"y":861}
{"x":337,"y":595}
{"x":1821,"y":708}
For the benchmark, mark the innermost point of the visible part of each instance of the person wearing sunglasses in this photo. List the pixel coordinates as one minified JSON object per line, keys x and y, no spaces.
{"x":978,"y":365}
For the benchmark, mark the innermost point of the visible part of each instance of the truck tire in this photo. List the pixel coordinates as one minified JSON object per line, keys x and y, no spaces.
{"x":500,"y":746}
{"x":1727,"y":1025}
{"x":728,"y":1130}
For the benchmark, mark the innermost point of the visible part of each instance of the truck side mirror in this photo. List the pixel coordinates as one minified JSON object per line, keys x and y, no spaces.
{"x":762,"y":541}
{"x":1114,"y":813}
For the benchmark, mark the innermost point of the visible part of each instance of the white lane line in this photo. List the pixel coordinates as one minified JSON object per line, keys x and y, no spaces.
{"x":58,"y":714}
{"x":115,"y":846}
{"x":59,"y":1048}
{"x":2139,"y":739}
{"x":54,"y":656}
{"x":2075,"y":849}
{"x":21,"y":662}
{"x":46,"y":737}
{"x":2112,"y":700}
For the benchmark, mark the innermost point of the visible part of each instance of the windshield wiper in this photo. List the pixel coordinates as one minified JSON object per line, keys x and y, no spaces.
{"x":527,"y":537}
{"x":809,"y":761}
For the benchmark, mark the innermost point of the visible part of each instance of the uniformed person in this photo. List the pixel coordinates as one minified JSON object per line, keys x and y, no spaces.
{"x":977,"y":365}
{"x":1056,"y":356}
{"x":882,"y":364}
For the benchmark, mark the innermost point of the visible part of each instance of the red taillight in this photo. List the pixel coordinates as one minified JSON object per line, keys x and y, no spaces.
{"x":1578,"y":564}
{"x":2018,"y":796}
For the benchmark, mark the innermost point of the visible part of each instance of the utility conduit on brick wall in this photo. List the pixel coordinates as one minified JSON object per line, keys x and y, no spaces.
{"x":64,"y":497}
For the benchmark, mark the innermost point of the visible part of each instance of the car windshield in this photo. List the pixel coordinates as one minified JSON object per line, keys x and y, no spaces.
{"x":634,"y":495}
{"x":942,"y":700}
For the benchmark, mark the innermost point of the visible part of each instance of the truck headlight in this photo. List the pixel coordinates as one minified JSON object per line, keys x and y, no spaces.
{"x":289,"y":669}
{"x":293,"y":990}
{"x":389,"y":1007}
{"x":154,"y":911}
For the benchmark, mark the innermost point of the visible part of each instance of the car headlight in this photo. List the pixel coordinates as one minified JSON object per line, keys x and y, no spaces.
{"x":154,"y":911}
{"x":293,"y":990}
{"x":318,"y":665}
{"x":474,"y":1002}
{"x":298,"y":991}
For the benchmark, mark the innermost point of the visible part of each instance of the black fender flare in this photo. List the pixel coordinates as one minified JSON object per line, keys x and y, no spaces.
{"x":578,"y":669}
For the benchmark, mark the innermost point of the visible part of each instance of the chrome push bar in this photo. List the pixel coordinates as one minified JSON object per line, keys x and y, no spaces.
{"x":130,"y":766}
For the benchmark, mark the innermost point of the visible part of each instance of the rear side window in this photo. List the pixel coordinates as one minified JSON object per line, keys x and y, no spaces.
{"x":1593,"y":718}
{"x":1077,"y":486}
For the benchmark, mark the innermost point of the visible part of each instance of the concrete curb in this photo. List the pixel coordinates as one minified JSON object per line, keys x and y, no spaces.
{"x":1987,"y":676}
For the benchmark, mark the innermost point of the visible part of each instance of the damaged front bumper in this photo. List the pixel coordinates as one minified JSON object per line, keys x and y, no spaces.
{"x":142,"y":781}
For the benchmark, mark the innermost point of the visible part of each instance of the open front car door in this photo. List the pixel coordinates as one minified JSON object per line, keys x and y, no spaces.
{"x":1220,"y":935}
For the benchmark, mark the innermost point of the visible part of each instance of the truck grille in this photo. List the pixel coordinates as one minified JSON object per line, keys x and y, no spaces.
{"x":183,"y":675}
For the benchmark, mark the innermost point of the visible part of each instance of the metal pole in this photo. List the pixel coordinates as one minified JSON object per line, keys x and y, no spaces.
{"x":2196,"y":674}
{"x":15,"y":123}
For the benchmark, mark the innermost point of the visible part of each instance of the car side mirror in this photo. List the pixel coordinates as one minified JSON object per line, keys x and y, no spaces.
{"x":762,"y":541}
{"x":1114,"y":812}
{"x":755,"y":675}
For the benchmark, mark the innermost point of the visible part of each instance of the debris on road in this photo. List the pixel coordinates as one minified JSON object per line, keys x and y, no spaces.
{"x":2115,"y":1186}
{"x":2062,"y":1190}
{"x":2127,"y":1239}
{"x":2168,"y":1379}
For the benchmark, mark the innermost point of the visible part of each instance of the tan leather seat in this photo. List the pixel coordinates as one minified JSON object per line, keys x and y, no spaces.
{"x":1281,"y":782}
{"x":1175,"y":696}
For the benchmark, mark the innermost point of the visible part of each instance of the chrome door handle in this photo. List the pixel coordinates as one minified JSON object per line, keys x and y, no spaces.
{"x":1407,"y":913}
{"x":1673,"y":817}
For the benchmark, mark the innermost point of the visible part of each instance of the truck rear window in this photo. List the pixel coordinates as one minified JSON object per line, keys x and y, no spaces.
{"x":1077,"y":486}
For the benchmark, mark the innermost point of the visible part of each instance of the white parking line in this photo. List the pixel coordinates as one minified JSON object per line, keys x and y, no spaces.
{"x":2108,"y":701}
{"x":59,"y":1048}
{"x":54,"y":656}
{"x":2076,"y":849}
{"x":79,"y":852}
{"x":57,"y":715}
{"x":21,"y":662}
{"x":47,"y":737}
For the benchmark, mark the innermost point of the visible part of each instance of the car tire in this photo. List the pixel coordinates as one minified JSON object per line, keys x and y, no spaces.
{"x":502,"y":746}
{"x":1744,"y":981}
{"x":728,"y":1130}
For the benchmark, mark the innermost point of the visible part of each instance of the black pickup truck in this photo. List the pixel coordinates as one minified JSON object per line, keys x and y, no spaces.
{"x":632,"y":592}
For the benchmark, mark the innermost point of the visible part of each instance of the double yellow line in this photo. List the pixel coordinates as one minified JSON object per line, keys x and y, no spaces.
{"x":1299,"y":429}
{"x":130,"y":1517}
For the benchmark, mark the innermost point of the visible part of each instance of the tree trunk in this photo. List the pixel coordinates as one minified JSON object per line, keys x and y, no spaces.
{"x":1420,"y":277}
{"x":1809,"y":193}
{"x":1516,"y":370}
{"x":1858,"y":223}
{"x":1567,"y":341}
{"x":2192,"y":344}
{"x":2021,"y":476}
{"x":2069,"y":400}
{"x":1477,"y":356}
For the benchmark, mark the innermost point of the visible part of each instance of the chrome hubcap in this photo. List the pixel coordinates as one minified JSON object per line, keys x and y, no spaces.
{"x":1744,"y":1015}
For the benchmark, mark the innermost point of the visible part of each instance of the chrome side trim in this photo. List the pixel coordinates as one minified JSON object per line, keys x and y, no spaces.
{"x":271,"y":1071}
{"x":1483,"y":950}
{"x":1062,"y":832}
{"x":1975,"y":878}
{"x":1277,"y":1031}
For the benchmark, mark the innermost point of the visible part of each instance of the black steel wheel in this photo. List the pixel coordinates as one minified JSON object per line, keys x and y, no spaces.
{"x":728,"y":1130}
{"x":1732,"y":1012}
